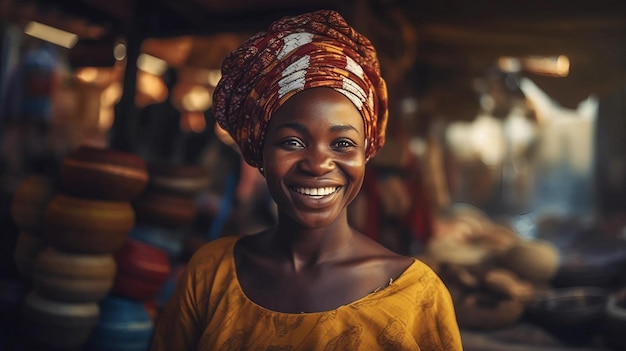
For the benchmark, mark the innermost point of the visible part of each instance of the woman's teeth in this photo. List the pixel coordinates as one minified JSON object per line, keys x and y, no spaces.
{"x":316,"y":191}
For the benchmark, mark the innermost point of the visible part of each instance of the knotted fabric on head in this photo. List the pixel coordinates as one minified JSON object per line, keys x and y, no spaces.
{"x":317,"y":49}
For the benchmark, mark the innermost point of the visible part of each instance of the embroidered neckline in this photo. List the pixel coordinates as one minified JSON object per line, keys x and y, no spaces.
{"x":256,"y":305}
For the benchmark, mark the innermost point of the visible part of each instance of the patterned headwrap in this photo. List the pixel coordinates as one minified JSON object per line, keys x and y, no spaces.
{"x":317,"y":49}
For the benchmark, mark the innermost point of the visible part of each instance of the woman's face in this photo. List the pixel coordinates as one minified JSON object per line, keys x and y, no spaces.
{"x":314,"y":156}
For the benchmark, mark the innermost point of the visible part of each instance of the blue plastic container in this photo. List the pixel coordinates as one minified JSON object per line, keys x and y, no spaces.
{"x":125,"y":325}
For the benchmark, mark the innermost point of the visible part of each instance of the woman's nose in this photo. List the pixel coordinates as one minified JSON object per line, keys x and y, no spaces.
{"x":317,"y":161}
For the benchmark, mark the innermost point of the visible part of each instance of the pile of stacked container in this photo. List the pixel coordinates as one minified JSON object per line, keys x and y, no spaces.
{"x":73,"y":268}
{"x":165,"y":212}
{"x":28,"y":204}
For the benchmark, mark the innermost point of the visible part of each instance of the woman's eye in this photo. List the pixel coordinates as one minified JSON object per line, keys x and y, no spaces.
{"x":343,"y":144}
{"x":292,"y":143}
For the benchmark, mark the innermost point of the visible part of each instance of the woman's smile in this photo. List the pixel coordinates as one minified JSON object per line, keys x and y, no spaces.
{"x":315,"y":198}
{"x":317,"y":193}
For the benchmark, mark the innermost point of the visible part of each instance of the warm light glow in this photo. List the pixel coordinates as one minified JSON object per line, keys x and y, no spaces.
{"x":51,"y":34}
{"x":150,"y":89}
{"x":151,"y":64}
{"x":201,"y":76}
{"x":197,"y":98}
{"x":111,"y":95}
{"x":509,"y":64}
{"x":551,"y":66}
{"x":562,"y":65}
{"x":214,"y":76}
{"x":556,"y":66}
{"x":119,"y":51}
{"x":105,"y":118}
{"x":95,"y":76}
{"x":192,"y":121}
{"x":87,"y":74}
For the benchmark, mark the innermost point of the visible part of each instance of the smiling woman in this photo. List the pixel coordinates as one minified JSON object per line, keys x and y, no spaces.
{"x":309,"y":110}
{"x":314,"y":156}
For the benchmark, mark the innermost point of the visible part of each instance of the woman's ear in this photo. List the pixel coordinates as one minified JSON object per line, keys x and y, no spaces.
{"x":262,"y":171}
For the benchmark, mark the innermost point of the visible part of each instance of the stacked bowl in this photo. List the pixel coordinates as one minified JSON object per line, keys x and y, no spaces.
{"x":27,"y":208}
{"x":165,"y":211}
{"x":84,"y":224}
{"x":170,"y":198}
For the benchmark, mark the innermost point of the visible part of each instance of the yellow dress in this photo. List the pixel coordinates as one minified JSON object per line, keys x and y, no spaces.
{"x":210,"y":312}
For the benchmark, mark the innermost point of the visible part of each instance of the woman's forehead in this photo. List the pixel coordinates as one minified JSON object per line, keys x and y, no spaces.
{"x":319,"y":105}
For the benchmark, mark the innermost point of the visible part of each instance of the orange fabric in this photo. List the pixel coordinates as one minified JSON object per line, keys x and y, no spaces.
{"x":209,"y":311}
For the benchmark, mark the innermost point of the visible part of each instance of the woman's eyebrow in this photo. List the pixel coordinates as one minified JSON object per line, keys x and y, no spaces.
{"x":292,"y":125}
{"x":302,"y":128}
{"x":343,"y":128}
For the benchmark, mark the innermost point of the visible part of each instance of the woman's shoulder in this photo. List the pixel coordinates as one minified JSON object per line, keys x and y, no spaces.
{"x":407,"y":267}
{"x":422,"y":271}
{"x":216,"y":250}
{"x":418,"y":277}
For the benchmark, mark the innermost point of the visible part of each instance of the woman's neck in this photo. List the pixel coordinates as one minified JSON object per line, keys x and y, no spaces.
{"x":305,"y":247}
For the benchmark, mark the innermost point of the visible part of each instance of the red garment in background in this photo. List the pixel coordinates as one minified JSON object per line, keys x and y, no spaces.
{"x":418,"y":220}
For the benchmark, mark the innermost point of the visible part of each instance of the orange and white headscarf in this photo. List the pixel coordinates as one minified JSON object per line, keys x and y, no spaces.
{"x":317,"y":49}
